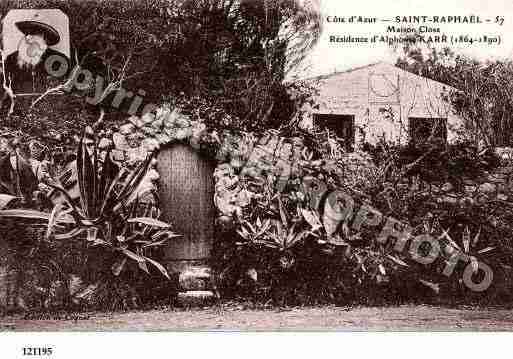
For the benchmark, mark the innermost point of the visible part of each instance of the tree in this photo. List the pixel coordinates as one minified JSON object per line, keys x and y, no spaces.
{"x":484,"y":89}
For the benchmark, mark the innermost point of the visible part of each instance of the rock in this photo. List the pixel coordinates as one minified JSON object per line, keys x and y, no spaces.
{"x":183,"y":133}
{"x":133,"y":140}
{"x":127,"y":129}
{"x":157,"y":124}
{"x":182,"y":121}
{"x":170,"y":118}
{"x":467,"y":201}
{"x":252,"y":172}
{"x":470,"y":189}
{"x":148,"y":118}
{"x":487,"y":188}
{"x":149,"y":131}
{"x":196,"y":298}
{"x":140,"y":135}
{"x":502,"y":197}
{"x":243,"y":198}
{"x":225,"y":223}
{"x":198,"y":128}
{"x":137,"y":154}
{"x":436,"y":189}
{"x":237,"y":162}
{"x":118,"y":155}
{"x":105,"y":144}
{"x":138,"y":123}
{"x":163,"y":138}
{"x":120,"y":141}
{"x":447,"y":187}
{"x":133,"y":119}
{"x":496,"y":178}
{"x":171,"y":132}
{"x":469,"y":182}
{"x":195,"y":279}
{"x":162,"y":112}
{"x":449,"y":199}
{"x":506,"y":170}
{"x":150,"y":144}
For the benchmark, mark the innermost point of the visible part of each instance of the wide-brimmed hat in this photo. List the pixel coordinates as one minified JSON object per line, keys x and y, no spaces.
{"x":32,"y":27}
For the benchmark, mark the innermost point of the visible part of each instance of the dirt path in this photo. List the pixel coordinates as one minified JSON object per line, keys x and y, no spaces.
{"x":390,"y":318}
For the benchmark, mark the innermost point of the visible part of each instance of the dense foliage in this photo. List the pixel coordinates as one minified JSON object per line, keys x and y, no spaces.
{"x":232,"y":54}
{"x":286,"y":249}
{"x":481,"y":90}
{"x":97,"y":232}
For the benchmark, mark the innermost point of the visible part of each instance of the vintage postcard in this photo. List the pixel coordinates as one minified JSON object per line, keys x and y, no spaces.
{"x":253,"y":165}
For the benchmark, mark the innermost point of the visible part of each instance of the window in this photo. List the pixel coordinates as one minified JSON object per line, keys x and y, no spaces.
{"x":341,"y":125}
{"x":421,"y":129}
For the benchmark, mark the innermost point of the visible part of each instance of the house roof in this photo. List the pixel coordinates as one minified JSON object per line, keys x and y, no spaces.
{"x":326,"y":76}
{"x":396,"y":68}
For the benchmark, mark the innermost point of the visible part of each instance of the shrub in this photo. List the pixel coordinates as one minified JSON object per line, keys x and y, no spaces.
{"x":104,"y":234}
{"x":322,"y":261}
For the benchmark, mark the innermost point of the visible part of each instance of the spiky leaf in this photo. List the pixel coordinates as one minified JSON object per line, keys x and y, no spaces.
{"x":149,"y":222}
{"x":159,"y":266}
{"x":86,"y":179}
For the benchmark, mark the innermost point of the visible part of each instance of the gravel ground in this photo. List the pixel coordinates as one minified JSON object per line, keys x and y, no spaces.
{"x":400,"y":318}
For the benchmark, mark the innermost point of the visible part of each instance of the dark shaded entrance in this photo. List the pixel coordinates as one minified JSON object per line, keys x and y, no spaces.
{"x":341,"y":125}
{"x":421,"y":129}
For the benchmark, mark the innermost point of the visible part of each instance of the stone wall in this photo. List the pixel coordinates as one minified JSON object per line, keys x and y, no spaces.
{"x":244,"y":159}
{"x":493,"y":185}
{"x":237,"y":155}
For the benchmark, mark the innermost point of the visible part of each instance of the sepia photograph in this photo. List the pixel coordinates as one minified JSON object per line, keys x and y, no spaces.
{"x":254,"y":166}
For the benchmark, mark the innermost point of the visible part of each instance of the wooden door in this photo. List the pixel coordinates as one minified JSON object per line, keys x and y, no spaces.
{"x":187,"y":201}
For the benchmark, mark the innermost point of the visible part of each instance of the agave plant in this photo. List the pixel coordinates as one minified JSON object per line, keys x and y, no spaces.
{"x":469,"y":244}
{"x":254,"y":234}
{"x":105,"y":213}
{"x":279,"y":236}
{"x":138,"y":235}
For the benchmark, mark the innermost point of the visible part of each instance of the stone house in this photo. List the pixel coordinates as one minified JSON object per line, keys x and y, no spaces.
{"x":382,"y":101}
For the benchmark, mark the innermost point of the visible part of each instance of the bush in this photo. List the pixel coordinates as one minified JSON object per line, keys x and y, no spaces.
{"x":94,"y":245}
{"x":325,"y":262}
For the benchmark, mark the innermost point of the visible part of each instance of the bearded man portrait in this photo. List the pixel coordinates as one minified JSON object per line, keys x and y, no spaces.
{"x":25,"y":68}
